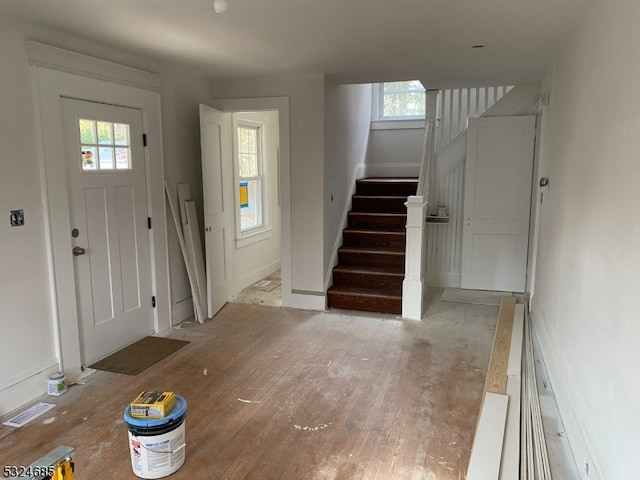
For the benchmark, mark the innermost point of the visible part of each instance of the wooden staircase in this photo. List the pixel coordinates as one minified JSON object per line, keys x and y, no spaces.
{"x":371,"y":260}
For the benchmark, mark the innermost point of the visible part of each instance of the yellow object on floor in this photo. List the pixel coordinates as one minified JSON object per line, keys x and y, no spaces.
{"x":64,"y":471}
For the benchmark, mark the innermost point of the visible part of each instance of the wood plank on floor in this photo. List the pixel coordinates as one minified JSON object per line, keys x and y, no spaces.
{"x":498,"y":364}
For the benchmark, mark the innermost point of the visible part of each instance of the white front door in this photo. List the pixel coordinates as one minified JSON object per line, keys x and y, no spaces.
{"x":497,"y":198}
{"x":217,"y":176}
{"x":106,"y":176}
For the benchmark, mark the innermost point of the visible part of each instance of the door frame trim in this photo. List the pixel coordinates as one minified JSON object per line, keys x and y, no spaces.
{"x":281,"y":104}
{"x":48,"y":87}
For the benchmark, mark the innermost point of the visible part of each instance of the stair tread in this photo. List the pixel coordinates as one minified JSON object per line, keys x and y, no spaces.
{"x":369,"y":270}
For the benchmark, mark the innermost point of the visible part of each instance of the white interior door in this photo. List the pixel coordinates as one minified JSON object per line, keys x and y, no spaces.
{"x":217,"y":176}
{"x":108,"y":209}
{"x":497,"y":198}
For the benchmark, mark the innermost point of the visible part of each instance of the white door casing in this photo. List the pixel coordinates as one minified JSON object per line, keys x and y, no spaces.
{"x":217,"y":176}
{"x":108,"y":209}
{"x":497,"y":199}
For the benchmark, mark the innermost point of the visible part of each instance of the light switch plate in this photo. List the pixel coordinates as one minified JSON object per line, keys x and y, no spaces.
{"x":16,"y":218}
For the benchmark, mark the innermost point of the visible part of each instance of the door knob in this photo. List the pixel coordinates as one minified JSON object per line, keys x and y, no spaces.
{"x":77,"y":251}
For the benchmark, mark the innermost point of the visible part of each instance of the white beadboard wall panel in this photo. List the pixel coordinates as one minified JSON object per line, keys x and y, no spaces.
{"x":444,"y":241}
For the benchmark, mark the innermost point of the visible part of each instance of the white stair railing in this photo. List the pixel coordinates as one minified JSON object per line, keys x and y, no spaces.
{"x":457,"y":105}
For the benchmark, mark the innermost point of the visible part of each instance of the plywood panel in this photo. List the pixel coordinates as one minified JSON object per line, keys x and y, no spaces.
{"x":497,"y":371}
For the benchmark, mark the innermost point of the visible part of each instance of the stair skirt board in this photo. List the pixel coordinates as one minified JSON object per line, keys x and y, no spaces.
{"x":371,"y":261}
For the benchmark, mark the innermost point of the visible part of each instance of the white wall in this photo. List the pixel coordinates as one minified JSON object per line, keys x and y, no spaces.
{"x":347,"y":119}
{"x":28,"y":350}
{"x":26,"y":322}
{"x":395,"y":152}
{"x":181,"y":95}
{"x":255,"y":261}
{"x":306,"y":102}
{"x":588,"y":265}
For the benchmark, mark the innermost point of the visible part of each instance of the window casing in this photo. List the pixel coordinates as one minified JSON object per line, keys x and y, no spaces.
{"x":398,"y":105}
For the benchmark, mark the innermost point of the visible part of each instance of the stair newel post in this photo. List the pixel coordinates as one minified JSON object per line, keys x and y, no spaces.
{"x":414,"y":283}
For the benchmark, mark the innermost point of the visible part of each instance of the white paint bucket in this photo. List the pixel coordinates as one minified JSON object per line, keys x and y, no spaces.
{"x":157,"y":445}
{"x":57,"y":384}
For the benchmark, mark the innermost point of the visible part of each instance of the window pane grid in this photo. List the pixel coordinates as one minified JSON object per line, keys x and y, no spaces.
{"x":105,"y":146}
{"x":250,"y":177}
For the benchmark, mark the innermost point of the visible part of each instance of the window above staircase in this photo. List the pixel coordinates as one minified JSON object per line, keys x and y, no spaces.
{"x":398,"y":105}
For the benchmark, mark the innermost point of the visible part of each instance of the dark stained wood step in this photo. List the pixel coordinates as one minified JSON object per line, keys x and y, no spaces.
{"x":379,"y":203}
{"x":387,"y":186}
{"x":377,"y":221}
{"x":391,"y":240}
{"x":384,"y":280}
{"x":371,"y":261}
{"x":364,"y":300}
{"x":354,"y":256}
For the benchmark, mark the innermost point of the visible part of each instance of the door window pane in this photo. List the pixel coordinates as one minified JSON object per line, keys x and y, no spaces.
{"x":121,"y":133}
{"x":87,"y":131}
{"x":106,"y":158}
{"x":104,"y":146}
{"x":89,"y":158}
{"x":122,"y":158}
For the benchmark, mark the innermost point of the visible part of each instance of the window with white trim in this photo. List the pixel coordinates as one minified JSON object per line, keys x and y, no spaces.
{"x":399,"y":101}
{"x":249,"y":158}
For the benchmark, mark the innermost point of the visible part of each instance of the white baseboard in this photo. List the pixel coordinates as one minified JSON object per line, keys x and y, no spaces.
{"x":306,"y":301}
{"x":181,"y":311}
{"x":443,"y":279}
{"x":579,"y":440}
{"x":255,"y":276}
{"x":358,"y":172}
{"x":16,"y":392}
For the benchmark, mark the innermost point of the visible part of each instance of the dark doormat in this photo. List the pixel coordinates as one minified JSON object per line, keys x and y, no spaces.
{"x":139,"y":356}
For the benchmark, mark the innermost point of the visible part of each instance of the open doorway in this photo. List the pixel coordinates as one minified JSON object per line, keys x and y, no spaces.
{"x":256,"y":250}
{"x":231,"y":266}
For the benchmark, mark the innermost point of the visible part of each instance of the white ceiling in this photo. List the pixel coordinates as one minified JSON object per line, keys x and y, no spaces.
{"x":353,"y":41}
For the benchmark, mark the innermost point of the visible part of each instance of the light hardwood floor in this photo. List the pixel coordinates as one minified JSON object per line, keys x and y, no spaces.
{"x":278,"y":393}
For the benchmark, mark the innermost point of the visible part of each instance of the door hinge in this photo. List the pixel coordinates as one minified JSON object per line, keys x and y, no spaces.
{"x":153,"y":301}
{"x":144,"y":139}
{"x":149,"y":222}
